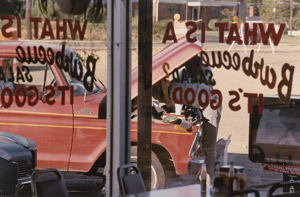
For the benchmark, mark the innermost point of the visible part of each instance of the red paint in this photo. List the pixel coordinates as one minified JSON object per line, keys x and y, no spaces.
{"x":193,"y":28}
{"x":287,"y":73}
{"x":167,"y":36}
{"x":221,"y":27}
{"x":177,"y":90}
{"x":293,"y":170}
{"x":7,"y":25}
{"x":260,"y":104}
{"x":216,"y":103}
{"x":234,"y":34}
{"x":255,"y":69}
{"x":19,"y":28}
{"x":203,"y":29}
{"x":6,"y":102}
{"x":47,"y":29}
{"x":75,"y":27}
{"x":70,"y":140}
{"x":60,"y":28}
{"x":36,"y":21}
{"x":175,"y":55}
{"x":251,"y":97}
{"x":32,"y":100}
{"x":191,"y":92}
{"x":265,"y":35}
{"x":22,"y":101}
{"x":232,"y":103}
{"x":204,"y":103}
{"x":250,"y":33}
{"x":63,"y":90}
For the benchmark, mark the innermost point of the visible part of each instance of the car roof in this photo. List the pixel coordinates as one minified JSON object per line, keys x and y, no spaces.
{"x":8,"y":47}
{"x":175,"y":55}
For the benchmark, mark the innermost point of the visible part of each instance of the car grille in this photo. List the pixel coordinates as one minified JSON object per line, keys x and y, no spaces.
{"x":24,"y":168}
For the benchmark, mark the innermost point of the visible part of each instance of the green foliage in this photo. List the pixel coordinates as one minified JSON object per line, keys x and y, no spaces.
{"x":296,"y":21}
{"x":227,"y":13}
{"x":51,"y":11}
{"x":159,"y":28}
{"x":11,"y":7}
{"x":282,"y":14}
{"x":211,"y":24}
{"x":135,"y":21}
{"x":266,"y":10}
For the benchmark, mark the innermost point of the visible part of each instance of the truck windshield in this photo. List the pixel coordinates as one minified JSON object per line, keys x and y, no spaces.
{"x":79,"y":88}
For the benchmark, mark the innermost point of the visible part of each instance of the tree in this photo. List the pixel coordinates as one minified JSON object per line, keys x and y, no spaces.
{"x":255,"y":3}
{"x":283,"y":12}
{"x":227,"y":13}
{"x":11,"y":6}
{"x":296,"y":19}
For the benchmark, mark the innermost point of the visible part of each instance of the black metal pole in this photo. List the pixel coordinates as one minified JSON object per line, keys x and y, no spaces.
{"x":144,"y":89}
{"x":118,"y":93}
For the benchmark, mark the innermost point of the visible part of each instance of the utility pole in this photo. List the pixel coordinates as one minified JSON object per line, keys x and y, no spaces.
{"x":274,"y":17}
{"x":119,"y":91}
{"x":27,"y":16}
{"x":291,"y":16}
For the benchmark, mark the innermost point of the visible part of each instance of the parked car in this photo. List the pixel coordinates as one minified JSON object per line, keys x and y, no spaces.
{"x":72,"y":136}
{"x":17,"y":162}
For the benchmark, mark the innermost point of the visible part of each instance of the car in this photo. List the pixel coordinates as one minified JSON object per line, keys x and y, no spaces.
{"x":48,"y":104}
{"x":17,"y":161}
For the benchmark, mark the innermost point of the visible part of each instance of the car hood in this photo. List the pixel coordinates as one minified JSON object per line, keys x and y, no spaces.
{"x":175,"y":55}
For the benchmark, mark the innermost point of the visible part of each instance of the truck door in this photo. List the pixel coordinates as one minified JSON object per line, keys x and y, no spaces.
{"x":36,"y":112}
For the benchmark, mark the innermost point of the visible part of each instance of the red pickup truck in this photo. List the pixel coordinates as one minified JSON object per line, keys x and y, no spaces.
{"x":44,"y":102}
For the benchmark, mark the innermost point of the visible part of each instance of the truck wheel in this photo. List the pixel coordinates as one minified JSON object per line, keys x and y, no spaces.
{"x":158,"y":179}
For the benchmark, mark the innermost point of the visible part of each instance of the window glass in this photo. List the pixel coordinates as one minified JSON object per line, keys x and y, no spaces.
{"x":173,"y":9}
{"x":16,"y":74}
{"x":78,"y":82}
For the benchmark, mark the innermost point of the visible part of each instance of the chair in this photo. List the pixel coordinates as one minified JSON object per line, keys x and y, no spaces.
{"x":130,"y":183}
{"x":43,"y":186}
{"x":281,"y":185}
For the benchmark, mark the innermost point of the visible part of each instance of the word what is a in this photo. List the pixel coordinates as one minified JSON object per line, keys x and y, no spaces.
{"x":234,"y":35}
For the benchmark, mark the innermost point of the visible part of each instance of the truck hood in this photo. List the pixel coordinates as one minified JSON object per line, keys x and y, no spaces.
{"x":175,"y":55}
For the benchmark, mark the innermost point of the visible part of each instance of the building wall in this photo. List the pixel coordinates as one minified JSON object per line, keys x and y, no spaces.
{"x":167,"y":11}
{"x":205,"y":14}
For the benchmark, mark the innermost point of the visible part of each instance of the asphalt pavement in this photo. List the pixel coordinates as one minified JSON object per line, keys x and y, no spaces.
{"x":80,"y":185}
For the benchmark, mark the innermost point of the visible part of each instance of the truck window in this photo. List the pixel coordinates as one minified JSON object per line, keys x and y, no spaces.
{"x":14,"y":74}
{"x":79,"y":89}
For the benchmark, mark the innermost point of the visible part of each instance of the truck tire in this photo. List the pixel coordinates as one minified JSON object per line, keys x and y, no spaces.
{"x":158,"y":178}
